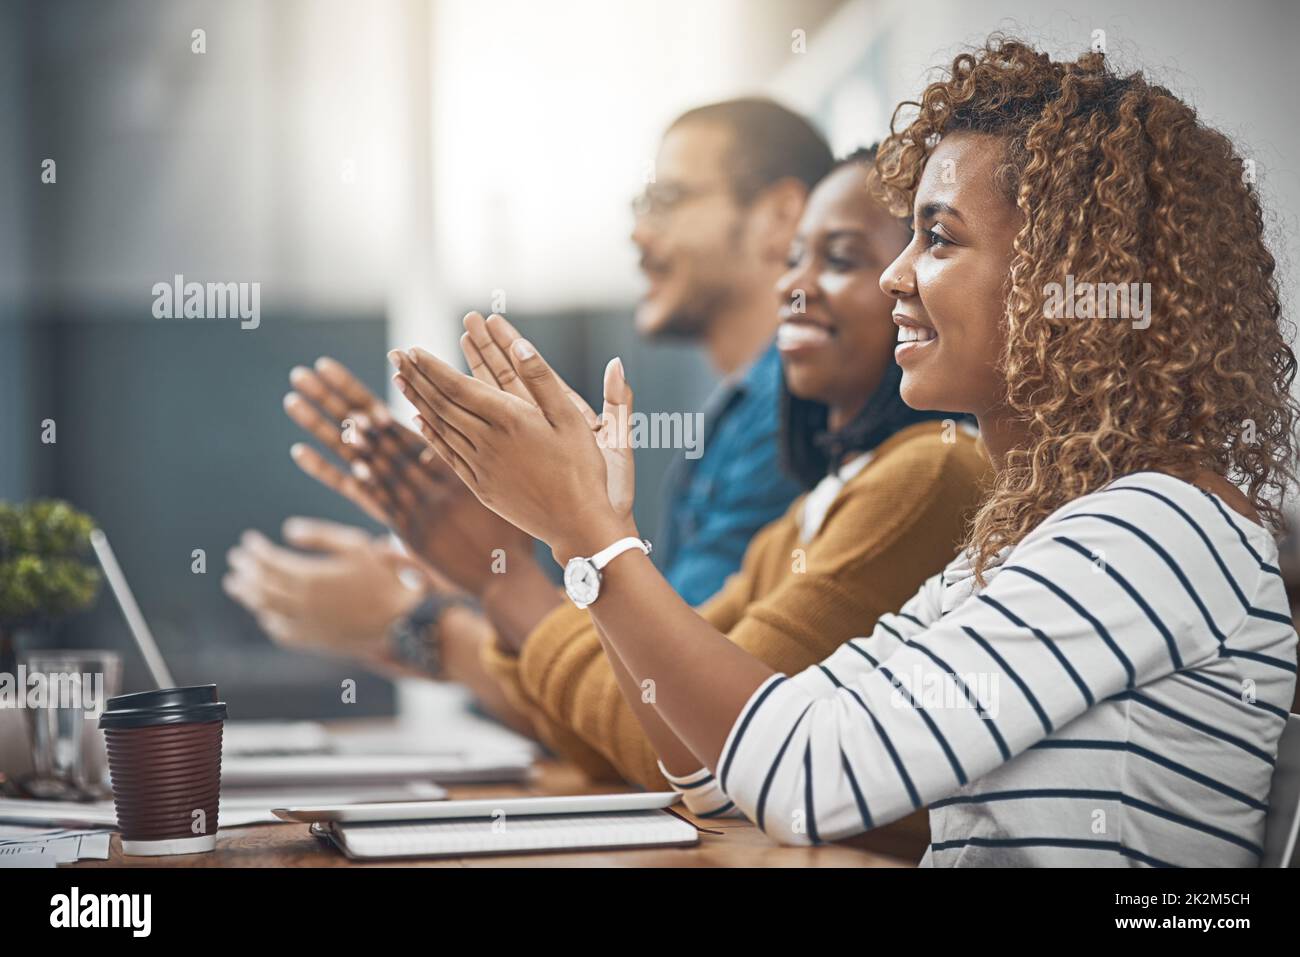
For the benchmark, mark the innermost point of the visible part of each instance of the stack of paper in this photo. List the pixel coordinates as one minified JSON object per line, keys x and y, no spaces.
{"x":39,"y":846}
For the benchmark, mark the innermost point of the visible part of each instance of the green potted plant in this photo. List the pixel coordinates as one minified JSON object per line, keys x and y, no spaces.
{"x":45,"y":574}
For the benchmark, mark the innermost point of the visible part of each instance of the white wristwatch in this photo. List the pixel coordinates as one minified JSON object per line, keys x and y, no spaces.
{"x":582,"y":575}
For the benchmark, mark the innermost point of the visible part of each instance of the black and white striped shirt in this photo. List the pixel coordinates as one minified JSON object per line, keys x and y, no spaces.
{"x":1113,"y":695}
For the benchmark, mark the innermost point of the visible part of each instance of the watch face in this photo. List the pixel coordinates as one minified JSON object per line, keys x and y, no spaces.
{"x":581,"y":581}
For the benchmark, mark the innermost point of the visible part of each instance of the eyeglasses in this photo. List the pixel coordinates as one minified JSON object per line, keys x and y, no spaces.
{"x":660,"y":199}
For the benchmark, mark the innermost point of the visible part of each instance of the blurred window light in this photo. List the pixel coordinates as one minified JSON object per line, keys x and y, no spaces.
{"x":546,"y":121}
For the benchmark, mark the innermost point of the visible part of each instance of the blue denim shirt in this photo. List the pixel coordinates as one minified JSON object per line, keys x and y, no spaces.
{"x":715,"y":503}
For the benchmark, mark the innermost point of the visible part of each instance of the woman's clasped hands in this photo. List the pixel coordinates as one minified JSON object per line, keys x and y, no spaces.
{"x":527,"y":446}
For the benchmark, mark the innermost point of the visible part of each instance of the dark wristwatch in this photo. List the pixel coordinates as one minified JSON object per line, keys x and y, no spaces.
{"x":416,"y":637}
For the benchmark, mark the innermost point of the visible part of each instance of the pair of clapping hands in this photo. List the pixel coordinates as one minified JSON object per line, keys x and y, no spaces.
{"x":511,"y":436}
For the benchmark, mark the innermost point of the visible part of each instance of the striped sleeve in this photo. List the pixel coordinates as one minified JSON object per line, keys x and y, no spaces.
{"x":892,"y":629}
{"x":1095,"y":602}
{"x":701,"y":790}
{"x":701,"y":794}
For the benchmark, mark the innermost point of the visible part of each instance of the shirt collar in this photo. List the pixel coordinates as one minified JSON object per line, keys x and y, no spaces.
{"x":742,"y":380}
{"x":758,"y":368}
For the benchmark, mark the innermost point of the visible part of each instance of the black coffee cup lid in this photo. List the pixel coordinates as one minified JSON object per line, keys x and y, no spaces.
{"x":144,"y":709}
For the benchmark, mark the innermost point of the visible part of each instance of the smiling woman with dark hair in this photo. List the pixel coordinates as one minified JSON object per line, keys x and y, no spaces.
{"x":1102,"y":676}
{"x":814,"y":437}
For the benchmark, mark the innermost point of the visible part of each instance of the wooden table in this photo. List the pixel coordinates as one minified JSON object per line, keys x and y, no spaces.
{"x":725,"y":843}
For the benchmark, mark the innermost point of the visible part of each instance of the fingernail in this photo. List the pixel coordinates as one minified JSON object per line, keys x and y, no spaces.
{"x":293,"y":527}
{"x":402,"y":387}
{"x":395,"y":357}
{"x":296,"y":449}
{"x":618,"y":362}
{"x":524,"y":349}
{"x":361,"y":470}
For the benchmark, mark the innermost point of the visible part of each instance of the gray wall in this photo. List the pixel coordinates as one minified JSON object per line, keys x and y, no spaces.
{"x":16,"y":175}
{"x":170,"y":433}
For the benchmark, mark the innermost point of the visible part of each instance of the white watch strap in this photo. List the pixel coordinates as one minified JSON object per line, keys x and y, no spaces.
{"x":607,"y":555}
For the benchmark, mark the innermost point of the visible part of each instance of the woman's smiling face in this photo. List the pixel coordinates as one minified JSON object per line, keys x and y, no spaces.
{"x":949,"y":285}
{"x":835,"y":331}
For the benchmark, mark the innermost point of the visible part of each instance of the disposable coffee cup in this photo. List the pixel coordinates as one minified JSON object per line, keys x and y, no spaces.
{"x":164,"y":758}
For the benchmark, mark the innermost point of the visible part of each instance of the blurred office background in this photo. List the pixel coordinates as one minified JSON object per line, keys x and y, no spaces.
{"x":382,"y":167}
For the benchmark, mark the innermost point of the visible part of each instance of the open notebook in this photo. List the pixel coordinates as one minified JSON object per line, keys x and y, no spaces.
{"x":501,"y":826}
{"x":455,"y":838}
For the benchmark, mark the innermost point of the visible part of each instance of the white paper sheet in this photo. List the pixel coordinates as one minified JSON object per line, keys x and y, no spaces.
{"x":18,"y":855}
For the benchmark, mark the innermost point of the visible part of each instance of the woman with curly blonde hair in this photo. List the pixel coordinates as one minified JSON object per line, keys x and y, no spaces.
{"x":1102,"y":675}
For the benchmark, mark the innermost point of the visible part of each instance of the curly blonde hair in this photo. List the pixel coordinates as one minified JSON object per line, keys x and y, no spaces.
{"x":1117,"y":182}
